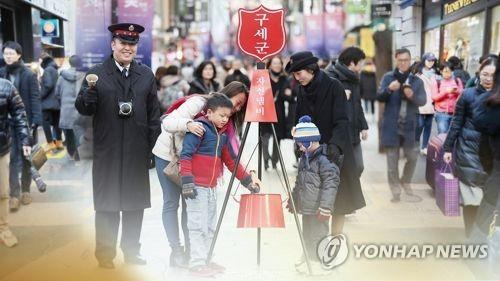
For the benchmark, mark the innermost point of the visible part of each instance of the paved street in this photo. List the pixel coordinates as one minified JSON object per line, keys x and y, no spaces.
{"x":56,"y":233}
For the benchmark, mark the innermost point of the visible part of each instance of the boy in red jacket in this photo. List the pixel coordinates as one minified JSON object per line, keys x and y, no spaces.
{"x":201,"y":162}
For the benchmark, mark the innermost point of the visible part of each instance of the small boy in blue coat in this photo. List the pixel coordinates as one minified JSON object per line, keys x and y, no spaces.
{"x":201,"y":165}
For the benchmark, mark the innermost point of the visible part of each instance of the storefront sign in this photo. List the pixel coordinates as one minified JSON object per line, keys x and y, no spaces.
{"x":50,"y":27}
{"x":56,"y":7}
{"x":381,"y":11}
{"x":457,"y":5}
{"x":261,"y":32}
{"x":357,"y":6}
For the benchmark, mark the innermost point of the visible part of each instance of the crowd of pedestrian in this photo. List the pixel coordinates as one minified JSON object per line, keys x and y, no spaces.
{"x":189,"y":127}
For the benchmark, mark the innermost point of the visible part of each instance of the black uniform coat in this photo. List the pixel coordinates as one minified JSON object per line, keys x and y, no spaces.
{"x":324,"y":100}
{"x":122,"y":146}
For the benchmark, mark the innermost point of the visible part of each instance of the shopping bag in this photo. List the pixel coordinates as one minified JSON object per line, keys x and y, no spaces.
{"x":447,"y":192}
{"x":38,"y":156}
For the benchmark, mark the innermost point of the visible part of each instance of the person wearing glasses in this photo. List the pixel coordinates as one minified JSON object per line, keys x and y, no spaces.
{"x":402,"y":93}
{"x":465,"y":139}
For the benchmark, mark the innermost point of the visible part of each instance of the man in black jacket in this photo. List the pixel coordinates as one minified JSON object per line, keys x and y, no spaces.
{"x":26,"y":84}
{"x":10,"y":105}
{"x":346,"y":70}
{"x":51,"y":105}
{"x":126,"y":124}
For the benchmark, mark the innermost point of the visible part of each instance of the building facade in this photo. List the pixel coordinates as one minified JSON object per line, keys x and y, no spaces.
{"x":38,"y":25}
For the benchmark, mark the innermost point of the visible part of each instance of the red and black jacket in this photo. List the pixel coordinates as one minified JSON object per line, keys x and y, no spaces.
{"x":202,"y":158}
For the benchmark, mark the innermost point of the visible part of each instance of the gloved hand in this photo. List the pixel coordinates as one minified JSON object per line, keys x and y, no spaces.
{"x":90,"y":96}
{"x":336,"y":155}
{"x":188,"y":191}
{"x":323,"y":214}
{"x":289,"y":206}
{"x":253,"y":188}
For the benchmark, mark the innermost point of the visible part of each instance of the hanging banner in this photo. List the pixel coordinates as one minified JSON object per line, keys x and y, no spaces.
{"x":260,"y":105}
{"x":93,"y":43}
{"x":261,"y":32}
{"x":139,"y":12}
{"x":314,"y":33}
{"x":333,"y":31}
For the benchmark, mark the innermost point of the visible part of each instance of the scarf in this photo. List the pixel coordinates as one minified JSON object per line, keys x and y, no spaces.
{"x":403,"y":114}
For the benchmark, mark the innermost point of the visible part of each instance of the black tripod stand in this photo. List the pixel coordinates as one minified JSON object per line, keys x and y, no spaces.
{"x":288,"y":190}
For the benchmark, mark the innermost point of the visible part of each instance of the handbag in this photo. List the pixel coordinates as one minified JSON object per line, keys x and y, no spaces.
{"x":447,"y":192}
{"x":38,"y":156}
{"x":172,"y":170}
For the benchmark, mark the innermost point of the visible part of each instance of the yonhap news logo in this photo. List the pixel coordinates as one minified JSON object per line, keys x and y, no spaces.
{"x":333,"y":251}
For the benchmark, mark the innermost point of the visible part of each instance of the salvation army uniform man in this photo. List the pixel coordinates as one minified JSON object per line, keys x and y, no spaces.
{"x":126,"y":123}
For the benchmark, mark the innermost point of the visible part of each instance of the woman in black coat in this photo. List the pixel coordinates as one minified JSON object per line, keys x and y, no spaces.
{"x":368,"y":86}
{"x":465,"y":140}
{"x":204,"y":79}
{"x":324,"y":100}
{"x":487,"y":224}
{"x":281,"y":93}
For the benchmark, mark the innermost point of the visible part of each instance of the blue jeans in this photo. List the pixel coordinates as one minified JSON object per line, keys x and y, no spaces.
{"x":424,"y":124}
{"x":443,"y":121}
{"x":18,"y":165}
{"x":202,"y":219}
{"x":171,"y":196}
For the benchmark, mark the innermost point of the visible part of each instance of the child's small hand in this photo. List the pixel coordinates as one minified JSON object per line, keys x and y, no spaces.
{"x":323,"y":214}
{"x":255,"y":179}
{"x":253,"y":188}
{"x":289,"y":206}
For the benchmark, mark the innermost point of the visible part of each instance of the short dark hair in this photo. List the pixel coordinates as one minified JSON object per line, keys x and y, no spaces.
{"x":455,"y":63}
{"x":199,"y":69}
{"x":14,"y":46}
{"x":444,"y":65}
{"x":172,"y":70}
{"x":217,"y":100}
{"x":351,"y":54}
{"x":313,"y":68}
{"x":75,"y":61}
{"x":402,"y":51}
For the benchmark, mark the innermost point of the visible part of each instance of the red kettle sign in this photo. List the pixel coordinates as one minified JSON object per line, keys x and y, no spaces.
{"x":261,"y":32}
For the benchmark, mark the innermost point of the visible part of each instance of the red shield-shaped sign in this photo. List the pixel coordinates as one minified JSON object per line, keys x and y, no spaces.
{"x":261,"y":32}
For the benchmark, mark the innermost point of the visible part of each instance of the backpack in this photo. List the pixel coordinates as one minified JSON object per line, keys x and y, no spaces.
{"x":176,"y":104}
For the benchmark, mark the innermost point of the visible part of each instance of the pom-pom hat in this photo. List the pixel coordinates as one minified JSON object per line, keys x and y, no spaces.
{"x":306,"y":132}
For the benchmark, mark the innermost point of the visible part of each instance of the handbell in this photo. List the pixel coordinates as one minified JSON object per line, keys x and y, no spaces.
{"x":91,"y":80}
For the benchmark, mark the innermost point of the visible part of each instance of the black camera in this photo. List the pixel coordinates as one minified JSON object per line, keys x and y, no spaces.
{"x":125,"y":109}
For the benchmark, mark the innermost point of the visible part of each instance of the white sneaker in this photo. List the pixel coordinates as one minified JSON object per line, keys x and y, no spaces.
{"x":300,"y":261}
{"x":8,"y":238}
{"x":423,"y":151}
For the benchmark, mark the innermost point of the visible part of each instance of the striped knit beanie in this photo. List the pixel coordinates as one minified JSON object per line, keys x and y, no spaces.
{"x":306,"y":132}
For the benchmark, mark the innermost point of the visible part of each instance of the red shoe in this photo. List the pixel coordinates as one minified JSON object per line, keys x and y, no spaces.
{"x":202,"y":271}
{"x":217,"y":267}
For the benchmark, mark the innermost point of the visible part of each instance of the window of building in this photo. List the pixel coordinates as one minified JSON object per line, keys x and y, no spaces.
{"x":495,"y":30}
{"x":431,"y":41}
{"x":464,"y":38}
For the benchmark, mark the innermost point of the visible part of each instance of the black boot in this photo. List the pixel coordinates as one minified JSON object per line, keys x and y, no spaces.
{"x":178,"y":258}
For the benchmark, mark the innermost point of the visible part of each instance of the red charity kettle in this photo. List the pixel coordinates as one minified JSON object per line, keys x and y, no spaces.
{"x":259,"y":210}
